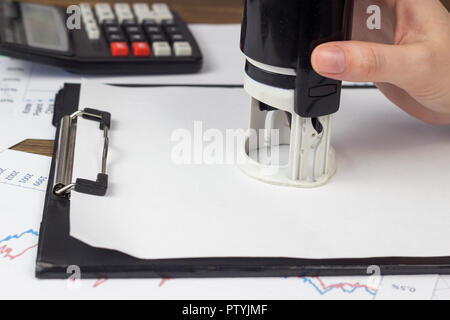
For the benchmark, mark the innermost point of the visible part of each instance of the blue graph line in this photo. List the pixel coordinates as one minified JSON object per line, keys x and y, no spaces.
{"x":18,"y":236}
{"x":325,"y":291}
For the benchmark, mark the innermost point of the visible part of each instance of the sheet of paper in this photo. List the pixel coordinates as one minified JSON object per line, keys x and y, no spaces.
{"x":388,"y":198}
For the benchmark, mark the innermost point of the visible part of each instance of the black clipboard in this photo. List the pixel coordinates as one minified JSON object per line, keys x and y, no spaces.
{"x":58,"y":251}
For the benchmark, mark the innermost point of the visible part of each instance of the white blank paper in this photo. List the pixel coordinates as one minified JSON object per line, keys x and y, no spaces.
{"x":390,"y":196}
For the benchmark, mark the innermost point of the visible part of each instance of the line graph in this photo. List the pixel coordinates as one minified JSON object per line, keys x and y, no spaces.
{"x":163,"y":281}
{"x":99,"y":282}
{"x":7,"y":251}
{"x":346,"y":287}
{"x":19,"y":235}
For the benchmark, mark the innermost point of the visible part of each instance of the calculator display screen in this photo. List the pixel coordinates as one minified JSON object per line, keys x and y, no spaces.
{"x":44,"y":27}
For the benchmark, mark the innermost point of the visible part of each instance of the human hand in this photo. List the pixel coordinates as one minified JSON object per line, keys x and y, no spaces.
{"x":408,"y":59}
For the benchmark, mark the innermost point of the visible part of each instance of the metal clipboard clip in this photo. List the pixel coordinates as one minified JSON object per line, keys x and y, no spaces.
{"x":64,"y":184}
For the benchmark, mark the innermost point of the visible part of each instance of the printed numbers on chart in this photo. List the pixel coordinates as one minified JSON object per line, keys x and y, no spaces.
{"x":12,"y":175}
{"x":50,"y":109}
{"x":26,"y":178}
{"x":404,"y":288}
{"x":40,"y":181}
{"x":27,"y":108}
{"x":38,"y":108}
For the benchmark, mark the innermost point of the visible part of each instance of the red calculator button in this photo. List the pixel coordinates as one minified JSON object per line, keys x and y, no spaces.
{"x":119,"y":49}
{"x":141,"y":49}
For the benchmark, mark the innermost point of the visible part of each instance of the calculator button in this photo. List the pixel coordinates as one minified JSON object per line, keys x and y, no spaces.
{"x":140,"y":49}
{"x":132,"y":29}
{"x":123,"y":12}
{"x":163,"y":11}
{"x":145,"y":16}
{"x":115,"y":37}
{"x":161,"y":16}
{"x":136,"y":37}
{"x":85,"y":7}
{"x":103,"y":12}
{"x":149,"y":23}
{"x":112,"y":29}
{"x":109,"y":22}
{"x":119,"y":49}
{"x":160,"y":7}
{"x":169,"y":23}
{"x":158,"y":37}
{"x":140,"y":8}
{"x":103,"y":17}
{"x":93,"y":32}
{"x":151,"y":15}
{"x":142,"y":11}
{"x":89,"y":22}
{"x":182,"y":49}
{"x":161,"y":49}
{"x":129,"y":23}
{"x":153,"y":29}
{"x":86,"y":11}
{"x":87,"y":17}
{"x":102,"y":7}
{"x":172,"y":29}
{"x":176,"y":37}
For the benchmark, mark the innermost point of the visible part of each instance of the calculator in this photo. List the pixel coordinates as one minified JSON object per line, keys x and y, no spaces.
{"x":104,"y":39}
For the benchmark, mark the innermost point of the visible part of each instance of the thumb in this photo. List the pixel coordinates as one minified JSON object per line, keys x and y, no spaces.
{"x":358,"y":61}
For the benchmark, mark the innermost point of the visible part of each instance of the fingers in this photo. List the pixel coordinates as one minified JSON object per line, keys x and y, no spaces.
{"x":417,"y":20}
{"x":364,"y":61}
{"x":408,"y":104}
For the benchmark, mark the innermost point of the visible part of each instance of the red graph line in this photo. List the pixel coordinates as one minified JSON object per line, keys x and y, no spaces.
{"x":163,"y":281}
{"x":99,"y":282}
{"x":4,"y":250}
{"x":343,"y":285}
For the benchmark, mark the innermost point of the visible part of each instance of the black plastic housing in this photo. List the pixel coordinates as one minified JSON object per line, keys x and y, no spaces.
{"x":285,"y":33}
{"x":92,"y":57}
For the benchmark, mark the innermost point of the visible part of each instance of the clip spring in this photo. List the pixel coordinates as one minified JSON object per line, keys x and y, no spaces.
{"x":65,"y":154}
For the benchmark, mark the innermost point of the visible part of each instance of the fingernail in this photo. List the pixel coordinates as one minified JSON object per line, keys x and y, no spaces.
{"x":329,"y":59}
